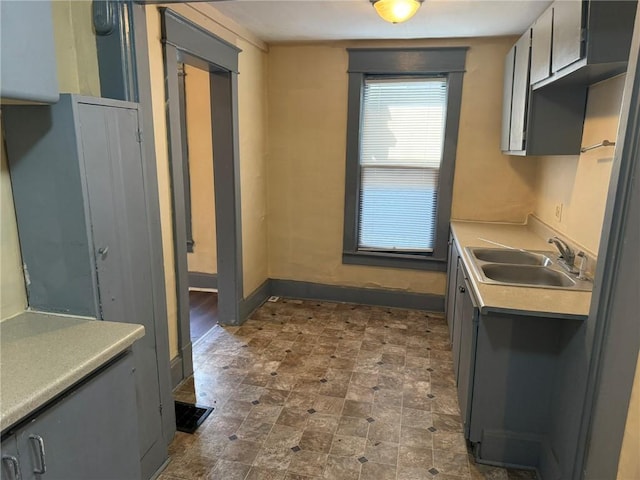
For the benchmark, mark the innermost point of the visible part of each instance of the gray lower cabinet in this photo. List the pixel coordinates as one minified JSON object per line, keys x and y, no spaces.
{"x":465,"y":325}
{"x":469,"y":316}
{"x":10,"y":468}
{"x":87,"y":434}
{"x":451,"y":287}
{"x":457,"y":316}
{"x":78,"y":184}
{"x":505,"y":366}
{"x":516,"y":359}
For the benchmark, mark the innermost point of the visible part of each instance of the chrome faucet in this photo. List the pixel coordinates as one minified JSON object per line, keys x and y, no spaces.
{"x":565,"y":251}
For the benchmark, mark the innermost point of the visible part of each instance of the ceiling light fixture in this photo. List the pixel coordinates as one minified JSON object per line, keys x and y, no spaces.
{"x":396,"y":11}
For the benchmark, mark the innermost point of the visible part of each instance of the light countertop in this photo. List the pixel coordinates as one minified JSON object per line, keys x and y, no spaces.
{"x":544,"y":302}
{"x":42,"y":355}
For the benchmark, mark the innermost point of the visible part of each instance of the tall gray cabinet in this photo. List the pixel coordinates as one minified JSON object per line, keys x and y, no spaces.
{"x":79,"y":192}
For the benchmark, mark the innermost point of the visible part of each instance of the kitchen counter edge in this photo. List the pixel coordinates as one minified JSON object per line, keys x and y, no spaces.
{"x":505,"y":299}
{"x":42,"y":355}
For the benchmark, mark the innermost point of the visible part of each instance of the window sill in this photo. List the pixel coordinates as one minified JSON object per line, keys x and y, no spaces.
{"x":391,"y":260}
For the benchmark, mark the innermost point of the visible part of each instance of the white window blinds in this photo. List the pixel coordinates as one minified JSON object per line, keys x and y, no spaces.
{"x":401,"y":143}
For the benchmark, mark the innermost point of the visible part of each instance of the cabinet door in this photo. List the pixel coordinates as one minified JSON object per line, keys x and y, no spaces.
{"x":87,"y":435}
{"x":507,"y":95}
{"x":468,"y":337}
{"x":10,"y":468}
{"x":457,"y":317}
{"x":541,"y":47}
{"x":567,"y":33}
{"x":113,"y":165}
{"x":452,"y":266}
{"x":519,"y":102}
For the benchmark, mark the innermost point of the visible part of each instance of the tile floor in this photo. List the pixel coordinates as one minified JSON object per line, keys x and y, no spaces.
{"x":308,"y":390}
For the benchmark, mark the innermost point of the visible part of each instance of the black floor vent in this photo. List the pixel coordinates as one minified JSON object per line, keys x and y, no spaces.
{"x":189,"y":416}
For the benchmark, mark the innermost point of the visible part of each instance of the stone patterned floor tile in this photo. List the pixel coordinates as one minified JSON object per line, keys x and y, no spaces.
{"x":342,"y":468}
{"x":308,"y":463}
{"x":376,"y":471}
{"x":319,"y":390}
{"x":382,"y":452}
{"x":229,"y":470}
{"x":380,"y":431}
{"x":316,"y":441}
{"x":352,"y":426}
{"x":416,"y":437}
{"x":412,"y":457}
{"x":451,"y":463}
{"x":257,"y":473}
{"x":348,"y":446}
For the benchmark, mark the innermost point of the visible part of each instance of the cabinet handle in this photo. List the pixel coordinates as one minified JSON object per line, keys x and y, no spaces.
{"x":15,"y":465}
{"x":103,"y":251}
{"x":40,"y":443}
{"x":461,"y":289}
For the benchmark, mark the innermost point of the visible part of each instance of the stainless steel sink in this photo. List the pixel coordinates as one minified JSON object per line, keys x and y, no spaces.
{"x":541,"y":269}
{"x":516,"y":257}
{"x":527,"y":275}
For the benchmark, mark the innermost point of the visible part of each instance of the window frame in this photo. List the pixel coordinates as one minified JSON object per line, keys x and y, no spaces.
{"x":398,"y":62}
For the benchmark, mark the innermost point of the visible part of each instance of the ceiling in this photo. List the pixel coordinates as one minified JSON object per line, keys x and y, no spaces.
{"x":307,"y":20}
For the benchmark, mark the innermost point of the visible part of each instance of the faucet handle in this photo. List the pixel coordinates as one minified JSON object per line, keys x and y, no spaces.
{"x":582,"y":273}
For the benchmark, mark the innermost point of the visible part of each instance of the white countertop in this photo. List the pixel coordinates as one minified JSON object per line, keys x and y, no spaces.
{"x":42,"y":355}
{"x":544,"y":302}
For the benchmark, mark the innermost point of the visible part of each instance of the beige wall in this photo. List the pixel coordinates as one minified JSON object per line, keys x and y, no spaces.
{"x":76,"y":52}
{"x":13,"y":297}
{"x":252,"y":113}
{"x":307,"y":138}
{"x":203,"y":214}
{"x":252,"y":106}
{"x":629,"y":463}
{"x":581,"y":182}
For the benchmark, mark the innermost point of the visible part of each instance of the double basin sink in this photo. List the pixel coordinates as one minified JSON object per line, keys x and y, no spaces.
{"x":503,"y":266}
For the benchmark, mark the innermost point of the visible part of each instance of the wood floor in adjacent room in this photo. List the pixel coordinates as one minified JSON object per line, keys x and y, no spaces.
{"x":309,"y":390}
{"x":203,"y":313}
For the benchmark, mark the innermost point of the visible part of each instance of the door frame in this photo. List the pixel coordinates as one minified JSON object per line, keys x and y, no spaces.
{"x":186,"y":42}
{"x":615,"y":336}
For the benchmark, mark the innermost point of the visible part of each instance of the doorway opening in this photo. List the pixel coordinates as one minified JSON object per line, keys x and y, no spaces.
{"x":201,"y":85}
{"x":199,"y":198}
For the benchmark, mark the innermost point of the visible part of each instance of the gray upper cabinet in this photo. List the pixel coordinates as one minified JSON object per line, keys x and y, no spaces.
{"x":573,"y":44}
{"x":585,"y":41}
{"x":78,"y":184}
{"x":541,"y":46}
{"x":520,"y":93}
{"x":509,"y":64}
{"x":567,"y":34}
{"x":27,"y":56}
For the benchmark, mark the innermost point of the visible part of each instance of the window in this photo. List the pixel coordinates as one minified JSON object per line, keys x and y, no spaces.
{"x":403,"y":115}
